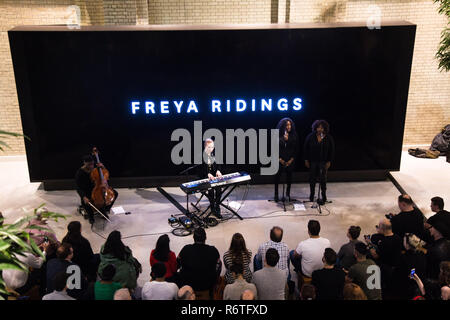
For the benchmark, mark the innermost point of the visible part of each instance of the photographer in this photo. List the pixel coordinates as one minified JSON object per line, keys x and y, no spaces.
{"x":409,"y":220}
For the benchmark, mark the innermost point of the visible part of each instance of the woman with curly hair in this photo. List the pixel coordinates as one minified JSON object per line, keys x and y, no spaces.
{"x":319,"y":153}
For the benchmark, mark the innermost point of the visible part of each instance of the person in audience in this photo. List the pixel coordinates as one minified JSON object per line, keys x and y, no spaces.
{"x":353,"y":292}
{"x":237,"y":254}
{"x":248,"y":295}
{"x":122,"y":294}
{"x":346,"y":255}
{"x":270,"y":281}
{"x":444,"y":280}
{"x":409,"y":220}
{"x":61,"y":263}
{"x":364,"y":269}
{"x":159,"y":288}
{"x":385,"y":248}
{"x":105,"y":288}
{"x":235,"y":290}
{"x":21,"y":281}
{"x":308,"y":292}
{"x":82,"y":250}
{"x":329,"y":281}
{"x":162,"y":253}
{"x":44,"y":233}
{"x":412,"y":258}
{"x":60,"y":286}
{"x":116,"y":253}
{"x":186,"y":293}
{"x":308,"y":255}
{"x":200,"y":265}
{"x":437,"y":206}
{"x":276,"y":235}
{"x":439,"y":250}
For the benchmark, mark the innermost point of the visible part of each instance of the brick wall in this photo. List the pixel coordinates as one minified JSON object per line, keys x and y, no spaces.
{"x":429,"y":94}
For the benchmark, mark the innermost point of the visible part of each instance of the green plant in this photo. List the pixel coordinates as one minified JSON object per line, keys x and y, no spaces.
{"x":4,"y":134}
{"x":443,"y":53}
{"x":14,"y":242}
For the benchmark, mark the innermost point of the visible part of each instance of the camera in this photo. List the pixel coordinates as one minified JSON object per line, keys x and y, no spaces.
{"x":367,"y":236}
{"x":45,"y":239}
{"x":389,"y":216}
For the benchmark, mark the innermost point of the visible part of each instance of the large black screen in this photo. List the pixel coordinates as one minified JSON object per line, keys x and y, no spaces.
{"x":76,"y":89}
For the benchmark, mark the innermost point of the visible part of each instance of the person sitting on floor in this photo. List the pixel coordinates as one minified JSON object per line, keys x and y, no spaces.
{"x":346,"y":255}
{"x":270,"y":281}
{"x":353,"y":292}
{"x":159,"y":289}
{"x":162,"y":253}
{"x":309,"y":253}
{"x":122,"y":294}
{"x":116,"y":253}
{"x":238,"y":253}
{"x":329,"y":281}
{"x":60,"y":286}
{"x":276,"y":235}
{"x":186,"y":293}
{"x":248,"y":295}
{"x":235,"y":290}
{"x":409,"y":220}
{"x":105,"y":288}
{"x":308,"y":292}
{"x":200,"y":265}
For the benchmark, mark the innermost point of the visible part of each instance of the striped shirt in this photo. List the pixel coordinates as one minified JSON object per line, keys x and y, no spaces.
{"x":228,"y":262}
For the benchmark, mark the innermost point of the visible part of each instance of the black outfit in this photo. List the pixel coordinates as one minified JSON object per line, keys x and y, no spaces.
{"x":56,"y":266}
{"x":438,"y":252}
{"x":346,"y":255}
{"x":200,"y":266}
{"x":405,"y":287}
{"x":329,"y":283}
{"x":213,"y":195}
{"x":84,"y":189}
{"x":287,"y":151}
{"x":84,"y":256}
{"x":318,"y":154}
{"x":408,"y":222}
{"x":441,"y":217}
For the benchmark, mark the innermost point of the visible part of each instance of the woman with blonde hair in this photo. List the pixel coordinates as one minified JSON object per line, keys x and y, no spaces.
{"x":353,"y":292}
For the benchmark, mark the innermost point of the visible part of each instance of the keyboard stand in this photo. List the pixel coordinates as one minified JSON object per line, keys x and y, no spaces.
{"x":224,"y":195}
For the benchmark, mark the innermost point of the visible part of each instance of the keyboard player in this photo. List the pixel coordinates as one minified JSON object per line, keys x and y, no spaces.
{"x":210,"y":169}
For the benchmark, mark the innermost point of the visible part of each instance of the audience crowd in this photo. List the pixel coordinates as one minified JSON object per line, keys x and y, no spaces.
{"x":407,"y":257}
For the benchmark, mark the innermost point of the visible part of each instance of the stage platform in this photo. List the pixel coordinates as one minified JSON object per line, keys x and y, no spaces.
{"x":353,"y":203}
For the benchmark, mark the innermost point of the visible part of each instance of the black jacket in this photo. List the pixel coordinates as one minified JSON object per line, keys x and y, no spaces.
{"x":84,"y":183}
{"x":82,"y":252}
{"x":438,"y":252}
{"x":203,"y":169}
{"x":408,"y":222}
{"x":318,"y":152}
{"x":288,"y":149}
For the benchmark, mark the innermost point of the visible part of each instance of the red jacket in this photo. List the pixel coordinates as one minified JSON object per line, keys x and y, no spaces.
{"x":171,"y":263}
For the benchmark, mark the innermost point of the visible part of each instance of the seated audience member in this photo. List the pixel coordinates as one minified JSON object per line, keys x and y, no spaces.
{"x":412,"y":258}
{"x":270,"y":281}
{"x":364,"y":269}
{"x":308,"y":292}
{"x":159,"y":288}
{"x":60,"y":286}
{"x":353,"y":292}
{"x":200,"y":265}
{"x":116,"y":253}
{"x":276,"y":235}
{"x":40,"y":235}
{"x":82,"y":250}
{"x":235,"y":290}
{"x":239,"y":254}
{"x":437,"y":206}
{"x":308,"y":255}
{"x":186,"y":293}
{"x":105,"y":288}
{"x":346,"y":255}
{"x":21,"y":281}
{"x":61,"y":263}
{"x":385,"y":248}
{"x":329,"y":281}
{"x":122,"y":294}
{"x":248,"y":295}
{"x":439,"y":250}
{"x":409,"y":220}
{"x":444,"y":280}
{"x":162,"y":253}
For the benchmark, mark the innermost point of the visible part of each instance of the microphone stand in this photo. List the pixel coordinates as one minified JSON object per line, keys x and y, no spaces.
{"x":319,"y":200}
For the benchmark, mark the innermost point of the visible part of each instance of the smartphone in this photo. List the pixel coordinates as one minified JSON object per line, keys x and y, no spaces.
{"x":45,"y":239}
{"x":411,"y":275}
{"x":367,"y":237}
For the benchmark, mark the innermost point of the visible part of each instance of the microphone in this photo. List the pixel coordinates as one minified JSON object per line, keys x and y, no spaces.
{"x":321,"y":135}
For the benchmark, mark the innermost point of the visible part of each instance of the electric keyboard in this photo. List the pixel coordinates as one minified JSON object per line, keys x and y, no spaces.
{"x":206,"y":184}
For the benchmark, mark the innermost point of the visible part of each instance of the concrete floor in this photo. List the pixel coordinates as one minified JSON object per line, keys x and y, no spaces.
{"x":362,"y":203}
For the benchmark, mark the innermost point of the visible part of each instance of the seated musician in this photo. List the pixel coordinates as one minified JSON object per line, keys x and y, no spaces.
{"x":85,"y":185}
{"x":210,"y":169}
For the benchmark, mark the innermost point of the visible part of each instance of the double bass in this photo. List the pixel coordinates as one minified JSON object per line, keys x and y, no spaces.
{"x":102,"y":194}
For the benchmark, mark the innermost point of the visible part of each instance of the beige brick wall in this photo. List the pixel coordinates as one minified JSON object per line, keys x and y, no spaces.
{"x":429,"y":94}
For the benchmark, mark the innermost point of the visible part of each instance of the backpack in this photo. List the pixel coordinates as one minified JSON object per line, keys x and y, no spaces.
{"x":441,"y":141}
